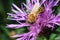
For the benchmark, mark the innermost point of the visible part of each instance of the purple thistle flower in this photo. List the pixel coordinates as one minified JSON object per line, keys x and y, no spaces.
{"x":44,"y":19}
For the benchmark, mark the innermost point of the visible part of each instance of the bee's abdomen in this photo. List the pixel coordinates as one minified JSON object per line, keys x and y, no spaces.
{"x":31,"y":18}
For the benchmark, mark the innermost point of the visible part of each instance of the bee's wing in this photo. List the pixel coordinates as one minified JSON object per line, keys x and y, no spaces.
{"x":36,"y":7}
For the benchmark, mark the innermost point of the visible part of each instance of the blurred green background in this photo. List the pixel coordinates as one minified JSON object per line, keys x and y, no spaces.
{"x":5,"y":7}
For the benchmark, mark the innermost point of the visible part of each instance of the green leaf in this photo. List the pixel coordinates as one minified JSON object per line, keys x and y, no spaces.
{"x":58,"y":9}
{"x":7,"y":5}
{"x":1,"y":7}
{"x":58,"y":29}
{"x":4,"y":29}
{"x":41,"y":38}
{"x":20,"y":30}
{"x":58,"y":37}
{"x":4,"y":33}
{"x":52,"y":36}
{"x":4,"y":37}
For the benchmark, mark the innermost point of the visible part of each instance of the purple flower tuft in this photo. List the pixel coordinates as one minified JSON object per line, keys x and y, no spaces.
{"x":44,"y":19}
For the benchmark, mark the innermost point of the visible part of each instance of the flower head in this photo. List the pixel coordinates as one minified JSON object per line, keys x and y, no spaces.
{"x":44,"y":18}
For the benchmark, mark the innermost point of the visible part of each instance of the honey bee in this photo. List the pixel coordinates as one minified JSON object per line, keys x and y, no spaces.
{"x":34,"y":13}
